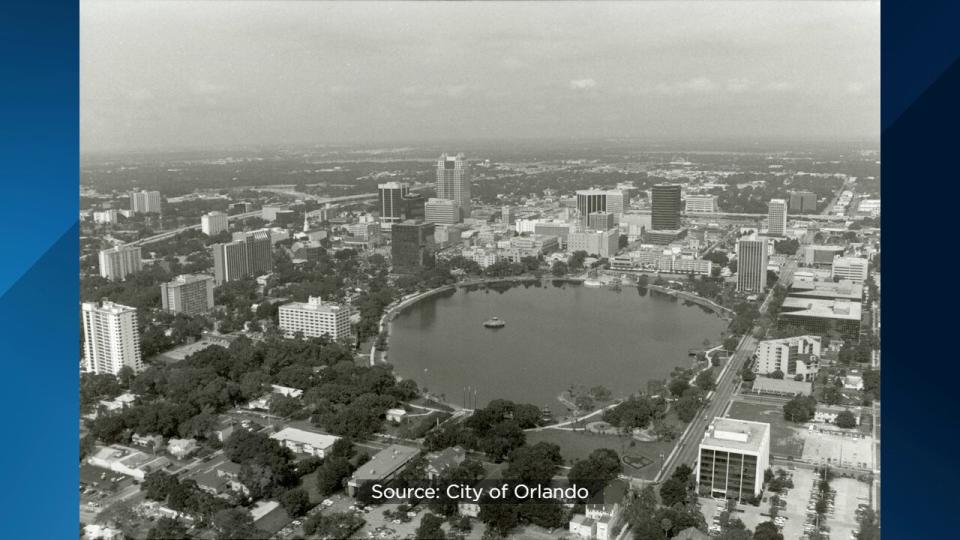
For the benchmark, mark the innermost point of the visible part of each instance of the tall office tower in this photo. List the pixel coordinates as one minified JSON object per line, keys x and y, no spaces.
{"x":118,"y":262}
{"x":665,"y":207}
{"x":733,"y":456}
{"x":616,"y":202}
{"x":213,"y":223}
{"x":187,"y":294}
{"x":230,"y":261}
{"x":453,"y":182}
{"x":391,"y":197}
{"x":601,"y":221}
{"x":442,"y":211}
{"x":110,"y":337}
{"x":752,"y":264}
{"x":803,"y":202}
{"x":508,"y":215}
{"x":145,"y":202}
{"x":412,"y":245}
{"x":777,"y":217}
{"x":259,"y":250}
{"x":315,"y":318}
{"x":412,"y":206}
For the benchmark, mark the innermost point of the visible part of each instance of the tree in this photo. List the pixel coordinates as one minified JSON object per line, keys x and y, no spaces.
{"x":236,"y":523}
{"x":595,"y":472}
{"x":767,"y":531}
{"x":705,"y":380}
{"x":673,"y":491}
{"x":730,"y":343}
{"x":430,"y":528}
{"x":295,"y":501}
{"x":331,"y":474}
{"x":168,"y":529}
{"x":500,"y":516}
{"x":776,"y":374}
{"x":534,"y":464}
{"x":678,"y":386}
{"x":559,"y":269}
{"x":846,"y":420}
{"x":800,"y":409}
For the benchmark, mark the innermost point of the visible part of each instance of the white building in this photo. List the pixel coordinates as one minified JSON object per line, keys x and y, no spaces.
{"x":453,"y":183}
{"x":443,"y":211}
{"x":732,"y":458}
{"x":600,"y":243}
{"x":145,"y":202}
{"x":188,"y":294}
{"x":181,"y":448}
{"x":700,"y":204}
{"x":791,"y":356}
{"x":777,"y":217}
{"x":315,"y":318}
{"x":305,"y":442}
{"x":118,"y":262}
{"x":852,"y":268}
{"x":110,"y":337}
{"x":106,"y":216}
{"x":213,"y":223}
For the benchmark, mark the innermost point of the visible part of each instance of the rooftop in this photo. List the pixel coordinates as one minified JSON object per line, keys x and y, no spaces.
{"x":784,"y":386}
{"x":384,"y":463}
{"x":821,"y":308}
{"x":314,"y":439}
{"x":844,"y":289}
{"x":741,"y":435}
{"x":314,"y":303}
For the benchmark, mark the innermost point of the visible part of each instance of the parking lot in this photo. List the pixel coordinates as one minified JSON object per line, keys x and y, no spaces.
{"x":796,"y":502}
{"x":99,"y":488}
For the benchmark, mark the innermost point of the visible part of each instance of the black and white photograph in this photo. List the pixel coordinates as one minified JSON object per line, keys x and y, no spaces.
{"x":479,"y":270}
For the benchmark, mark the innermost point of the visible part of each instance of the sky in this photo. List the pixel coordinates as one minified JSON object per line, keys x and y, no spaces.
{"x":159,"y":75}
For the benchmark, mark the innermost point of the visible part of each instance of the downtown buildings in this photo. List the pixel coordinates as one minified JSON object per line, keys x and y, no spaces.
{"x":145,"y":202}
{"x":700,"y":204}
{"x":118,"y":262}
{"x":665,"y":207}
{"x":111,"y":339}
{"x":803,"y":202}
{"x":733,"y":455}
{"x":188,"y":294}
{"x":590,"y":201}
{"x":752,"y":260}
{"x":315,"y":318}
{"x":453,"y":182}
{"x":794,"y":357}
{"x":412,"y":245}
{"x":397,"y":203}
{"x":249,"y":254}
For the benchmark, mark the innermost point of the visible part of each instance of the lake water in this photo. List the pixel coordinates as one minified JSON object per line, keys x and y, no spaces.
{"x":554,"y":337}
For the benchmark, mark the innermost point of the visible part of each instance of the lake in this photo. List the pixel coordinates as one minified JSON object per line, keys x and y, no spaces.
{"x":557,"y":334}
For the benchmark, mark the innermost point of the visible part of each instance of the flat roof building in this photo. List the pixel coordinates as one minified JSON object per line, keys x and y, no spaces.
{"x":752,"y":264}
{"x":821,"y":317}
{"x":852,"y":268}
{"x":305,"y":442}
{"x":118,"y":262}
{"x":111,"y":339}
{"x":665,"y":207}
{"x":315,"y":318}
{"x":732,"y":458}
{"x":777,"y":217}
{"x":145,"y":202}
{"x":213,"y":223}
{"x":188,"y":294}
{"x":382,"y":468}
{"x":793,"y":356}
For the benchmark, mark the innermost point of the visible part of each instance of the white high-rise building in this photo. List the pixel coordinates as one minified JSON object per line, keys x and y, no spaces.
{"x":733,"y":457}
{"x":106,"y":216}
{"x":213,"y":223}
{"x":453,"y":182}
{"x":118,"y":262}
{"x":110,"y":338}
{"x":777,"y":217}
{"x":145,"y":202}
{"x":315,"y":318}
{"x":799,"y":355}
{"x":443,"y":211}
{"x":752,"y":264}
{"x":188,"y":294}
{"x":700,"y":204}
{"x":852,"y":268}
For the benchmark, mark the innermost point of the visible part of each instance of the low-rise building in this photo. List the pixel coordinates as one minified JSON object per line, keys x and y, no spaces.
{"x":439,"y":462}
{"x":181,"y":448}
{"x":305,"y":442}
{"x":382,"y":468}
{"x":396,"y":415}
{"x":128,"y":461}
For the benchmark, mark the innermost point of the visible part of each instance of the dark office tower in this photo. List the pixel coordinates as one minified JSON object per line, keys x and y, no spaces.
{"x":412,"y":206}
{"x":391,"y":197}
{"x":590,"y":201}
{"x":666,"y":207}
{"x":259,"y":251}
{"x":453,"y":181}
{"x":803,"y":202}
{"x":411,"y":245}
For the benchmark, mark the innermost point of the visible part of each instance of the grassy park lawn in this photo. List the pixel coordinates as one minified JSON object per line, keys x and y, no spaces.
{"x":784,"y":440}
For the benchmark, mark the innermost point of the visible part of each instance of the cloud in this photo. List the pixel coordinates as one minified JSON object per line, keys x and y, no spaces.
{"x":583,"y":84}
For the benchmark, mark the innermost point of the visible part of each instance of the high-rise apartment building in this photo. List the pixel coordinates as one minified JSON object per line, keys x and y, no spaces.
{"x":733,"y":456}
{"x":803,"y":202}
{"x":799,"y":355}
{"x":213,"y":223}
{"x":390,"y":197}
{"x":752,"y":264}
{"x":249,"y":254}
{"x":188,"y":294}
{"x":315,"y":318}
{"x":145,"y":202}
{"x":118,"y":262}
{"x":453,"y":181}
{"x":442,"y":211}
{"x":110,"y":338}
{"x":412,"y":245}
{"x":777,"y":217}
{"x":665,"y":207}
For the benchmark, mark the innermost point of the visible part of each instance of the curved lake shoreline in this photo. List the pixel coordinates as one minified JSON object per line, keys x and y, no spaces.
{"x":566,"y":334}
